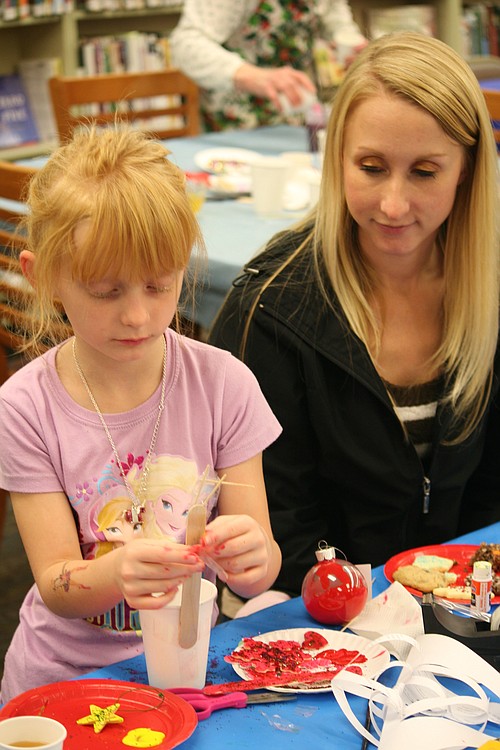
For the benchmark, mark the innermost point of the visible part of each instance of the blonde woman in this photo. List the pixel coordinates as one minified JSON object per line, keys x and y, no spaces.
{"x":372,"y":326}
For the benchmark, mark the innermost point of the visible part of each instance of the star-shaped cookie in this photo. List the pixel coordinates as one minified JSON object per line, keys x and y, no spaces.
{"x":99,"y":717}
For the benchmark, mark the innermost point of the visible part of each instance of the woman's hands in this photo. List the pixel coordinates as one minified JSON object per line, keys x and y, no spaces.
{"x":269,"y":83}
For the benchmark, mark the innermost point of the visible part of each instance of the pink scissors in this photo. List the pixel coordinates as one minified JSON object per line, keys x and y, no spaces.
{"x":205,"y":704}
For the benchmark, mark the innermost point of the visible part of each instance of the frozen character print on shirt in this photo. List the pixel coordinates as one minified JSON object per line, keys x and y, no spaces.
{"x":113,"y":528}
{"x":174,"y":484}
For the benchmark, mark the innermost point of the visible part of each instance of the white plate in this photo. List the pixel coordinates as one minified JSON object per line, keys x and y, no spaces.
{"x":219,"y":160}
{"x":377,"y":657}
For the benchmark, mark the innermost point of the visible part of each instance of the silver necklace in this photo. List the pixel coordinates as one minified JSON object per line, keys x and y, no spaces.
{"x":136,"y":512}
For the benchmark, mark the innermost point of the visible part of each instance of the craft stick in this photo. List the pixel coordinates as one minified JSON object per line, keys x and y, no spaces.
{"x":190,"y":598}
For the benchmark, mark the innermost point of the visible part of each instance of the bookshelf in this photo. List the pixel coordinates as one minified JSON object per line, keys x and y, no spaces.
{"x":58,"y":36}
{"x":448,"y":17}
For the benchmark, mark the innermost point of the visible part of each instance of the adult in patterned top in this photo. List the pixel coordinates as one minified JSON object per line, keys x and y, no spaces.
{"x":245,"y":53}
{"x":110,"y":436}
{"x":372,"y":326}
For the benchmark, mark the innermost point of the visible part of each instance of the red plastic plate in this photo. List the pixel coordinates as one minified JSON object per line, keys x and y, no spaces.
{"x":462,"y":553}
{"x":140,"y":706}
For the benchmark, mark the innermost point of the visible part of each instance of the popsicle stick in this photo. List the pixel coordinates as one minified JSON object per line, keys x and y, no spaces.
{"x":190,"y":600}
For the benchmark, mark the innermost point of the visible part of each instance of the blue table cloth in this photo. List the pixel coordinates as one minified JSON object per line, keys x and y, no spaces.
{"x":314,"y":721}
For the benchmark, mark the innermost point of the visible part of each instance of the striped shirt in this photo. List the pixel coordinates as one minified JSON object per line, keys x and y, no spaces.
{"x":416,"y":406}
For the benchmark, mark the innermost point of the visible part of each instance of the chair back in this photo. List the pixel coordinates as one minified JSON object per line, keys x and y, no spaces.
{"x":13,"y":182}
{"x":493,"y":104}
{"x":164,"y":102}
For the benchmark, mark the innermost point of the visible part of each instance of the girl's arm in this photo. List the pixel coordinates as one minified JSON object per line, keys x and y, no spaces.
{"x":240,"y":539}
{"x":73,"y":587}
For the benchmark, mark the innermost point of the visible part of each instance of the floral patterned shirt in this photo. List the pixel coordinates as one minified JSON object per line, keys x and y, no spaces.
{"x":213,"y":39}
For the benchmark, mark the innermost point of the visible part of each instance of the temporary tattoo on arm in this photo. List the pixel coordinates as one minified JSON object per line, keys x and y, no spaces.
{"x":64,"y":580}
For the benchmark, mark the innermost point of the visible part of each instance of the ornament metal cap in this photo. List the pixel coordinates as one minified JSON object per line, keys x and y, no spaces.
{"x":325,"y":552}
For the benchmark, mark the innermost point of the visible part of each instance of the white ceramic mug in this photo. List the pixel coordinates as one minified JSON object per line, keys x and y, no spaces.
{"x":269,"y":176}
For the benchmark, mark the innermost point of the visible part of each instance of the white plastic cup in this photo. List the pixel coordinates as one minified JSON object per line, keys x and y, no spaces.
{"x":269,"y":176}
{"x":297,"y":161}
{"x":306,"y":99}
{"x":49,"y":733}
{"x":168,"y":664}
{"x":347,"y":42}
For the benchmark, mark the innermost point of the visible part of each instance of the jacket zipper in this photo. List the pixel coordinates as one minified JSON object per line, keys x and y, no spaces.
{"x":427,"y":495}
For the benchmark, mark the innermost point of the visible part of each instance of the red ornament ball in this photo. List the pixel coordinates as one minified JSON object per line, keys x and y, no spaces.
{"x":334,"y":591}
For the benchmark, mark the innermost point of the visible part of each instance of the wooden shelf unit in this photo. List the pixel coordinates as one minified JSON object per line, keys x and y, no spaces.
{"x":59,"y":36}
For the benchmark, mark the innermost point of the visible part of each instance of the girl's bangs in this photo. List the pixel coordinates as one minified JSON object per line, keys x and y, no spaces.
{"x":135,"y":247}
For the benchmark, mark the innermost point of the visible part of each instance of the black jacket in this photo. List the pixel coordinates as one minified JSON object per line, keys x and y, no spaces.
{"x":342,"y":469}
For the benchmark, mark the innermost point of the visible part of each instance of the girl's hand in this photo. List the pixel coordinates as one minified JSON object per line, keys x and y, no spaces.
{"x":148,"y":572}
{"x":240,"y":546}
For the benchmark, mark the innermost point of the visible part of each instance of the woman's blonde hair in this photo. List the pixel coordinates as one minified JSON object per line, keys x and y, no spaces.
{"x":428,"y":73}
{"x":140,"y":220}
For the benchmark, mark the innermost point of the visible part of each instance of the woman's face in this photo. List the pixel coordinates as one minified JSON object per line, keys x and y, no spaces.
{"x":401,"y":172}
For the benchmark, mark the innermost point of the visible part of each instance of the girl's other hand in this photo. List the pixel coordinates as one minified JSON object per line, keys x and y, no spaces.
{"x":240,"y":546}
{"x":153,"y":566}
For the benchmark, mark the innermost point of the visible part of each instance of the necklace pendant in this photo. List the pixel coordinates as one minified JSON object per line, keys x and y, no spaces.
{"x":135,"y":514}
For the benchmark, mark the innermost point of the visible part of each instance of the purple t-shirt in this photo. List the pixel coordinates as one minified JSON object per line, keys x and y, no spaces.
{"x":215,"y":416}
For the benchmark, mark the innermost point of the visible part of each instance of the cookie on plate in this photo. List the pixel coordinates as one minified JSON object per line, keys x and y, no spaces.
{"x":422,"y":580}
{"x":434,"y":562}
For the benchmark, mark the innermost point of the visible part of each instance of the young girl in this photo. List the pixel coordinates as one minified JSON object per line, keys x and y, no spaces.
{"x":110,"y":234}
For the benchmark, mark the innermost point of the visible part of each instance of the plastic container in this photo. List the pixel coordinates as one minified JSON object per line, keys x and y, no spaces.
{"x":481,"y":583}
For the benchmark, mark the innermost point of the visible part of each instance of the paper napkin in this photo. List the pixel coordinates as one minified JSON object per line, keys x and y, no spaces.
{"x":395,"y":610}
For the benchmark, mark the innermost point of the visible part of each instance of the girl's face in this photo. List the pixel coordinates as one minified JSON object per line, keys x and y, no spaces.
{"x":401,"y":172}
{"x":118,"y":318}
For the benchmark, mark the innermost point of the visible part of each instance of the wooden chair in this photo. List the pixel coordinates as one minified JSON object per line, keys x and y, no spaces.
{"x":493,"y":104}
{"x":165,"y":102}
{"x":14,"y":290}
{"x":13,"y":181}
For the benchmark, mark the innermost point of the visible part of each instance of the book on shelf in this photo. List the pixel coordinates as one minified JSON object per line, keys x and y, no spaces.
{"x":419,"y":18}
{"x":20,"y":10}
{"x":17,"y":124}
{"x":35,"y":75}
{"x":132,"y":51}
{"x":480,"y":27}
